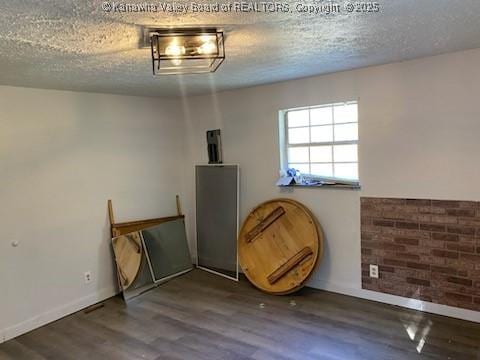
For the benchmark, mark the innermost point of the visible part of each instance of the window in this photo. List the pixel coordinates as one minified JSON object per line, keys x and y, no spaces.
{"x":321,"y":141}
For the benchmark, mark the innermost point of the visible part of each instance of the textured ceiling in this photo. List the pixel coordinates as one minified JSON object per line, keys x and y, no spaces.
{"x":75,"y":45}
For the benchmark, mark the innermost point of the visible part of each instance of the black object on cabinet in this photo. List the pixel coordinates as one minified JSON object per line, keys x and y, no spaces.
{"x":214,"y":144}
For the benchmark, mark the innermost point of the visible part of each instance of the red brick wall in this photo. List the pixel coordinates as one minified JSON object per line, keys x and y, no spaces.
{"x":425,"y":249}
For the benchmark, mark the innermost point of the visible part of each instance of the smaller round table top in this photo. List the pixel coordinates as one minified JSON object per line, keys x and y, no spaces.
{"x":128,"y":254}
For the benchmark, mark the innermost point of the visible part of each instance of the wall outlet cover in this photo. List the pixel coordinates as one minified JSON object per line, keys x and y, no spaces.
{"x":88,"y":277}
{"x":374,"y":271}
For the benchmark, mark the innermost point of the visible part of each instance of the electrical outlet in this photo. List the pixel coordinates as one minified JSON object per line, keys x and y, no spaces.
{"x":88,"y":277}
{"x":374,"y":271}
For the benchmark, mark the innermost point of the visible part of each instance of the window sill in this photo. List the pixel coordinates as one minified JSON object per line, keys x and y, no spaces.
{"x":324,"y":186}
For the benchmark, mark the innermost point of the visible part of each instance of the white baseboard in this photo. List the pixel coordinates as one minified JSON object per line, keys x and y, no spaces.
{"x":55,"y":314}
{"x":420,"y":305}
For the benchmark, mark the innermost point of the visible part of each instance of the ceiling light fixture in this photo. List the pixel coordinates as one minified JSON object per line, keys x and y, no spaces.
{"x":186,"y":51}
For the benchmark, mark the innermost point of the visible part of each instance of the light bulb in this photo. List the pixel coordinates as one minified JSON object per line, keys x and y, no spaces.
{"x":207,"y":48}
{"x":207,"y":38}
{"x":174,"y":49}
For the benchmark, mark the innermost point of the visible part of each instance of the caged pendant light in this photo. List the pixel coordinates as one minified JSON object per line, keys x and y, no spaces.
{"x":186,"y":51}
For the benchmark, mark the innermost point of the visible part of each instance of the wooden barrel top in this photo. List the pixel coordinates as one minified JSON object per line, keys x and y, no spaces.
{"x":279,"y":245}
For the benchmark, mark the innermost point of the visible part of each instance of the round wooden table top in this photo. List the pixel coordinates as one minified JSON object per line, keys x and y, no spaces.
{"x":279,"y":245}
{"x":128,"y":254}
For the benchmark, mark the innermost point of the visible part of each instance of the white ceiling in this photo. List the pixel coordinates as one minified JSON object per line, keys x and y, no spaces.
{"x":75,"y":45}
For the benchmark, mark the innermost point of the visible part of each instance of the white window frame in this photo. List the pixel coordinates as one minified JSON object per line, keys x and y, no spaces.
{"x":284,"y":145}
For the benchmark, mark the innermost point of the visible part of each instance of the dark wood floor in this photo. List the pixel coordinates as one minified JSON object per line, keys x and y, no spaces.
{"x":201,"y":316}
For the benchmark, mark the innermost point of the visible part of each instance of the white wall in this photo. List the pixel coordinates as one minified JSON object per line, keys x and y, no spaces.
{"x":419,"y":137}
{"x":62,"y":155}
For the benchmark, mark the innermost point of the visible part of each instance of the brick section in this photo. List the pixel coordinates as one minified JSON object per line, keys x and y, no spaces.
{"x":424,"y":249}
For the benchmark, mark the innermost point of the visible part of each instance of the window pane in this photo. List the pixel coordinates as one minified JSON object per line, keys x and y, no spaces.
{"x":303,"y":168}
{"x":297,"y":118}
{"x":322,"y":133}
{"x":321,"y":154}
{"x":298,"y":135}
{"x":345,"y":153}
{"x":321,"y":116}
{"x":322,"y":140}
{"x":298,"y":155}
{"x":346,"y":132}
{"x":345,"y":113}
{"x":346,"y":171}
{"x":322,"y":170}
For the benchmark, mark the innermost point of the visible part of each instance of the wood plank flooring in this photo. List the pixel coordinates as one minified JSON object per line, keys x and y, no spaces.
{"x":202,"y":316}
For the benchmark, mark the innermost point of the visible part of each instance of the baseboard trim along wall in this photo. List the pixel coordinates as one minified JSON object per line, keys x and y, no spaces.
{"x":55,"y":314}
{"x":413,"y":304}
